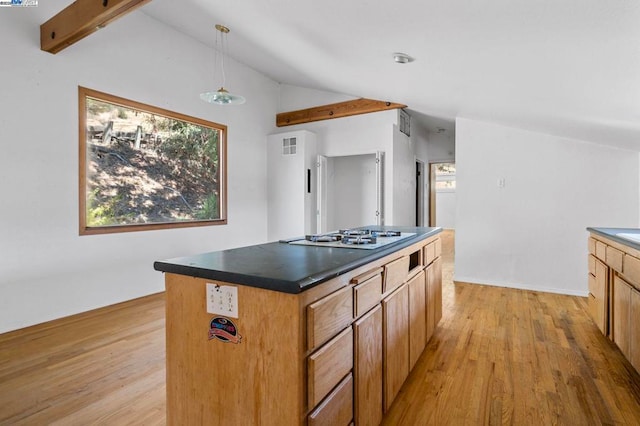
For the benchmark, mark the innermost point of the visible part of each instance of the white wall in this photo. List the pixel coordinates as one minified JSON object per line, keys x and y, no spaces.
{"x":48,"y":271}
{"x":404,"y":180}
{"x":531,"y":233}
{"x":446,"y":208}
{"x":441,"y":147}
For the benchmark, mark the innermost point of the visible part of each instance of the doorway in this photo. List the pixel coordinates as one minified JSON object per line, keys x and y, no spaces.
{"x":350,"y":191}
{"x":442,"y":194}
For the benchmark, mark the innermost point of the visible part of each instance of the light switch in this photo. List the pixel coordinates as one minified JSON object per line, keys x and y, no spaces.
{"x":222,"y":300}
{"x":501,"y":182}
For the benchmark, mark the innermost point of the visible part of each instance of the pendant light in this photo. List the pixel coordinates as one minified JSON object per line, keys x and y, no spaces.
{"x":221,"y":96}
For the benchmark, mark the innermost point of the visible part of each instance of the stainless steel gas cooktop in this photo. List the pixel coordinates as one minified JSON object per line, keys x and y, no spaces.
{"x":367,"y":239}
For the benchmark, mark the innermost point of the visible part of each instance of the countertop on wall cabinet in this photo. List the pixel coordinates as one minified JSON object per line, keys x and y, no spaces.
{"x":285,"y":267}
{"x":629,"y":237}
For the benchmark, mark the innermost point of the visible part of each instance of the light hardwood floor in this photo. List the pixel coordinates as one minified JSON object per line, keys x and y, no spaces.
{"x":499,"y":356}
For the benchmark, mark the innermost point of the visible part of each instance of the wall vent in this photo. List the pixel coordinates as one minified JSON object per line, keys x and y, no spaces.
{"x":289,"y":146}
{"x":404,"y":122}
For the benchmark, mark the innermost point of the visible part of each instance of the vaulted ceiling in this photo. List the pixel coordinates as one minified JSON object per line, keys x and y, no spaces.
{"x":570,"y":67}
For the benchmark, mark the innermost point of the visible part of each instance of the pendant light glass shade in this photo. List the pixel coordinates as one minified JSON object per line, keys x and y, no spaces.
{"x":222,"y":96}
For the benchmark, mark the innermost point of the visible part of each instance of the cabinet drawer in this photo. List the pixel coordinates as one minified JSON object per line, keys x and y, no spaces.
{"x":395,"y":273}
{"x":430,"y":252}
{"x":614,"y":258}
{"x":631,"y":269}
{"x":337,"y":409}
{"x":438,"y":247}
{"x":601,"y":251}
{"x":367,"y":295}
{"x":328,"y":316}
{"x":592,"y":264}
{"x":327,"y":366}
{"x":592,"y":245}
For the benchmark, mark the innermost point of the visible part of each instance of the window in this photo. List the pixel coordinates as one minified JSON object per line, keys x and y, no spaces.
{"x":143,"y":167}
{"x":445,"y":177}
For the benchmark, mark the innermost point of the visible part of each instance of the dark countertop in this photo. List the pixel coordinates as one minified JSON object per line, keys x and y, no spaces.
{"x":613,"y":234}
{"x":285,"y":267}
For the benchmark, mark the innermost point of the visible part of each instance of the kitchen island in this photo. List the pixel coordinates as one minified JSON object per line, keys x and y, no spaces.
{"x":280,"y":333}
{"x":614,"y":287}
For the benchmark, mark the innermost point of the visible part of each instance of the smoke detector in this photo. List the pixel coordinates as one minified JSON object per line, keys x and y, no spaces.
{"x":402,"y":58}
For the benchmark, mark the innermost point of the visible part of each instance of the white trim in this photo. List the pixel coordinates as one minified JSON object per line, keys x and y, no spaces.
{"x":541,"y":289}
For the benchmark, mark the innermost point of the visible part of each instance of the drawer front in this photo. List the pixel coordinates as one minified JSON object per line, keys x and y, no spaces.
{"x":614,"y":258}
{"x":631,"y":269}
{"x":337,"y":409}
{"x":592,"y":245}
{"x":395,"y":273}
{"x":367,"y":295}
{"x":438,"y":247}
{"x":327,"y":316}
{"x":601,"y":251}
{"x":592,"y":264}
{"x":430,"y":252}
{"x":327,"y":366}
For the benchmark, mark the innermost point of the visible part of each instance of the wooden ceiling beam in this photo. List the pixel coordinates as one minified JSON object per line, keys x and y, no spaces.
{"x":81,"y":18}
{"x":337,"y":110}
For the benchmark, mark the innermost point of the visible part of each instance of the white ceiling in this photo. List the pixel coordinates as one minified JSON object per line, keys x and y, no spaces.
{"x":565,"y":67}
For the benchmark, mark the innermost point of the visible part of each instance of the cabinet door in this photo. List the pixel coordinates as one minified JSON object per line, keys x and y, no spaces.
{"x":395,"y":343}
{"x":417,"y":318}
{"x":430,"y":300}
{"x":437,"y":291}
{"x":598,"y":296}
{"x":621,"y":314}
{"x":634,"y":332}
{"x":367,"y":365}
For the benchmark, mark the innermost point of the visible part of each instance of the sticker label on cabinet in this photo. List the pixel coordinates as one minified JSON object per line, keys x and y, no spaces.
{"x":222,"y":300}
{"x":225,"y":330}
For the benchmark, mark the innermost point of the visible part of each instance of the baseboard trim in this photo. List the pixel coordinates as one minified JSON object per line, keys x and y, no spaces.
{"x":554,"y":290}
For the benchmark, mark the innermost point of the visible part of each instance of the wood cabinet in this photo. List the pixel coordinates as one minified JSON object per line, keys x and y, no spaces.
{"x":337,"y":408}
{"x":337,"y":353}
{"x":395,"y":343}
{"x":328,"y":365}
{"x":634,"y":329}
{"x":626,"y":320}
{"x":614,"y":294}
{"x":621,"y":314}
{"x":328,"y":316}
{"x":598,"y":290}
{"x":430,"y":294}
{"x":367,"y":367}
{"x":436,"y":279}
{"x":417,"y":317}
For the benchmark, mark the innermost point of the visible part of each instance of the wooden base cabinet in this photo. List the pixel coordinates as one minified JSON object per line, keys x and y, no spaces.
{"x":621,"y":314}
{"x":367,"y":365}
{"x":395,"y":343}
{"x":433,"y":311}
{"x":634,"y":329}
{"x":417,"y":314}
{"x":336,"y":354}
{"x":626,"y":320}
{"x":598,"y":290}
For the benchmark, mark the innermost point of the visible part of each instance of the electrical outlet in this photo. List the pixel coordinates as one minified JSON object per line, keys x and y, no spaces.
{"x":222,"y":300}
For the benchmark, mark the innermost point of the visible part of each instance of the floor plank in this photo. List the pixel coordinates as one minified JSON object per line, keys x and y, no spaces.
{"x":499,"y":356}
